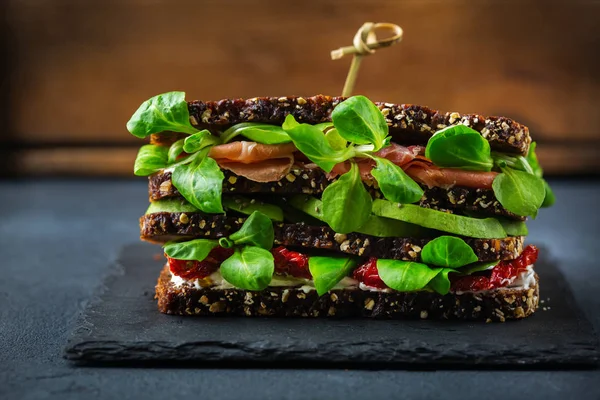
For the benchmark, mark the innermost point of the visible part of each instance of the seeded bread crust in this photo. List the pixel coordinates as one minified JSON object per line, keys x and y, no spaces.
{"x":496,"y":305}
{"x":456,"y":200}
{"x":298,"y":181}
{"x":409,"y":124}
{"x":162,"y":227}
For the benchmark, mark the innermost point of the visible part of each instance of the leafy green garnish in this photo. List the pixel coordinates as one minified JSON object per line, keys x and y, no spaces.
{"x":312,"y":143}
{"x":324,"y":126}
{"x":459,"y":147}
{"x":175,"y":151}
{"x":257,"y":230}
{"x":196,"y":250}
{"x":335,"y":140}
{"x":531,"y":166}
{"x":346,"y":202}
{"x":448,"y":251}
{"x":249,"y":268}
{"x":164,"y":112}
{"x":477,"y":267}
{"x":441,"y":282}
{"x":487,"y":228}
{"x":199,"y":141}
{"x":358,"y":120}
{"x":519,"y":192}
{"x":328,"y":271}
{"x":257,"y":132}
{"x":549,"y":199}
{"x":247,"y":206}
{"x":533,"y":162}
{"x":170,"y":206}
{"x":405,"y":276}
{"x":150,"y":158}
{"x":395,"y":185}
{"x":200,"y":182}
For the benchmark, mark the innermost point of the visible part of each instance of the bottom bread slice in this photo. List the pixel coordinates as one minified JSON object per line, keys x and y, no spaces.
{"x":494,"y":305}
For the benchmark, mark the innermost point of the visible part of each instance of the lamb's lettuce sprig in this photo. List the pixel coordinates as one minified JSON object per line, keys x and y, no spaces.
{"x":251,"y":265}
{"x":440,"y":257}
{"x":195,"y":175}
{"x":519,"y":187}
{"x":164,"y":112}
{"x":360,"y":130}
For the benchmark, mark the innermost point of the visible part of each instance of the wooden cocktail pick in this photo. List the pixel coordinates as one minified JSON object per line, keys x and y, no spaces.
{"x":365,"y":42}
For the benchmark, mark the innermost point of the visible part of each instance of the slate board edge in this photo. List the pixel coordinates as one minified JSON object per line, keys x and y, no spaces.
{"x":95,"y":352}
{"x":79,"y":323}
{"x":354,"y":353}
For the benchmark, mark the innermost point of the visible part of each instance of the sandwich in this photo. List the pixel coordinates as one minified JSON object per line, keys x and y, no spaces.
{"x":338,"y":207}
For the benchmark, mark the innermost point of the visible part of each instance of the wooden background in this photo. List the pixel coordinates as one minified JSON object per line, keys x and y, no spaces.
{"x":76,"y":70}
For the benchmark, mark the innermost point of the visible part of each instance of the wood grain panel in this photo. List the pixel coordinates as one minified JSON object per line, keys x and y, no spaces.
{"x":80,"y":68}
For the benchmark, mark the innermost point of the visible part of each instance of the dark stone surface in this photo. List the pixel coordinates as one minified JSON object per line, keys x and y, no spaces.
{"x":124,"y":325}
{"x":59,"y":238}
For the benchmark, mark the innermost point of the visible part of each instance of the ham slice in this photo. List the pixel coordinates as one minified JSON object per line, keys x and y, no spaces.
{"x":364,"y":166}
{"x":271,"y":163}
{"x":413,"y":162}
{"x":433,"y":176}
{"x":255,"y":161}
{"x":397,"y":154}
{"x":263,"y":171}
{"x":401,"y":155}
{"x":251,"y":152}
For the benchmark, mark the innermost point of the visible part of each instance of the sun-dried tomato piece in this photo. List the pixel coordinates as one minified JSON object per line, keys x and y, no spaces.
{"x":189,"y":269}
{"x":291,"y":263}
{"x":529,"y":256}
{"x":501,"y":275}
{"x":367,"y":273}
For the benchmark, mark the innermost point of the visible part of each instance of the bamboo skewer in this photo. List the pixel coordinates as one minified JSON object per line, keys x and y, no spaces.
{"x":365,"y":42}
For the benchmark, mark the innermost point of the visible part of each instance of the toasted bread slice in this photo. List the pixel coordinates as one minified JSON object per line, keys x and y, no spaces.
{"x":162,"y":227}
{"x":456,"y":200}
{"x":409,"y":124}
{"x":494,"y":305}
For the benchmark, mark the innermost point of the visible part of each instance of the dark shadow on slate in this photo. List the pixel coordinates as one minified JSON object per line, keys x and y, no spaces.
{"x":123,"y":326}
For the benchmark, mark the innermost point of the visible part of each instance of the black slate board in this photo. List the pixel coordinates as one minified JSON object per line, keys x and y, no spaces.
{"x":123,"y":326}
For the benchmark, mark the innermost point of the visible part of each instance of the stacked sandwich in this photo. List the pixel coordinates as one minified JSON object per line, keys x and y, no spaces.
{"x":330,"y":206}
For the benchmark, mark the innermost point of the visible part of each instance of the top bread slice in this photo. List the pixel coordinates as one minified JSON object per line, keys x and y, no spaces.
{"x":409,"y":124}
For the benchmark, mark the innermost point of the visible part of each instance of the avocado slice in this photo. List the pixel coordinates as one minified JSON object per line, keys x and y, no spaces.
{"x":247,"y":206}
{"x":511,"y":227}
{"x":171,"y":206}
{"x":242,"y":205}
{"x":375,"y":225}
{"x":514,"y":228}
{"x":485,"y":228}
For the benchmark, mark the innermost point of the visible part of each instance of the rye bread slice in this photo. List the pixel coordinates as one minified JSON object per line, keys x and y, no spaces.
{"x":162,"y":227}
{"x":494,"y":305}
{"x":456,"y":200}
{"x":409,"y":124}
